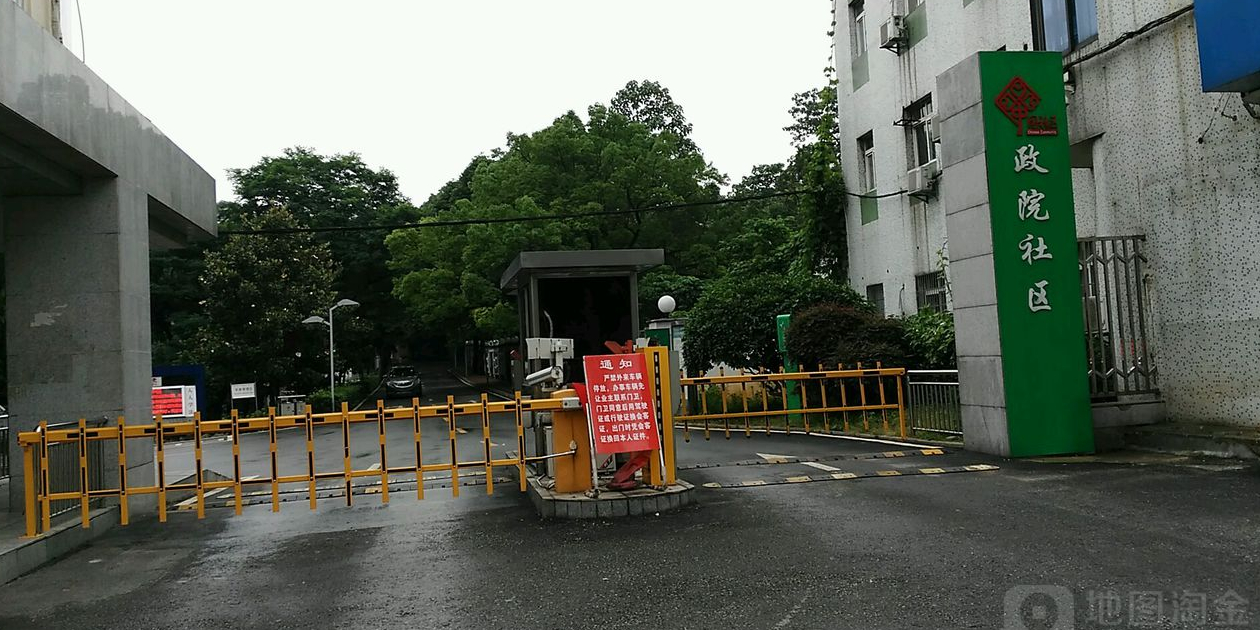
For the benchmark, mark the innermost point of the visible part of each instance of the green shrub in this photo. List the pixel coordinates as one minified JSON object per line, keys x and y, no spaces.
{"x":831,"y":334}
{"x":931,"y":337}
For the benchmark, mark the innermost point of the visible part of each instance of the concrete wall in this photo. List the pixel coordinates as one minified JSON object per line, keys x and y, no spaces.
{"x":1168,"y":161}
{"x":908,"y":235}
{"x":87,"y":187}
{"x":1183,"y":168}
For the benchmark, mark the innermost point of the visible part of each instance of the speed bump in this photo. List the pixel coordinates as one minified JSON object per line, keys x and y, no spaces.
{"x":840,"y":476}
{"x":775,"y":460}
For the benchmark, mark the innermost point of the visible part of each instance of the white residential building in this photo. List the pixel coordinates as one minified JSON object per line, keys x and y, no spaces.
{"x":1173,"y":313}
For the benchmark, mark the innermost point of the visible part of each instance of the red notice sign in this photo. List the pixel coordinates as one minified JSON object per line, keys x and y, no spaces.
{"x":622,"y":411}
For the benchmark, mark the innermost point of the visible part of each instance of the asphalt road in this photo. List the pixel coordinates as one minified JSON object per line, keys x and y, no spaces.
{"x":914,"y":551}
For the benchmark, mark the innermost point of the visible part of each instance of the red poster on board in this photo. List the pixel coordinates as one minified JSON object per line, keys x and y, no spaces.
{"x":620,"y":403}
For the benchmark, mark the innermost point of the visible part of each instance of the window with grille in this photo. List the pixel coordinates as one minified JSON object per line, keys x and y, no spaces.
{"x":930,"y":290}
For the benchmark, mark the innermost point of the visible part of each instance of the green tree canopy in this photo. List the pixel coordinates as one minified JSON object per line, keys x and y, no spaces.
{"x":448,"y":277}
{"x":257,"y":291}
{"x":337,"y":191}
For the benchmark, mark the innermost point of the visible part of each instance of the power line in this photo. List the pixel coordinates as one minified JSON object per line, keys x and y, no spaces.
{"x":546,"y":217}
{"x":521,"y":219}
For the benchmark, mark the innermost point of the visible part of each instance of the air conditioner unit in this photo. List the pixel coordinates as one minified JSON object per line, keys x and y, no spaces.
{"x":892,"y":34}
{"x":923,"y":179}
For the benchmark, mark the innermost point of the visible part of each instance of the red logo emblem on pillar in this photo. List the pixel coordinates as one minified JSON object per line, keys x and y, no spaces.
{"x":1018,"y":101}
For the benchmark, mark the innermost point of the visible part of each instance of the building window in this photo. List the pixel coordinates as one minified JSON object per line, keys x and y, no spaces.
{"x":866,"y":178}
{"x":857,"y":26}
{"x":866,"y":170}
{"x":930,"y":291}
{"x":1064,"y":25}
{"x":875,"y":295}
{"x":919,"y":146}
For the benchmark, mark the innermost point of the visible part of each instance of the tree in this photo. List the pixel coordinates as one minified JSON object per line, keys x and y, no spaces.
{"x":823,"y":241}
{"x":338,"y":191}
{"x":448,"y":277}
{"x":257,"y":291}
{"x":685,"y":290}
{"x":734,"y":320}
{"x":650,"y":103}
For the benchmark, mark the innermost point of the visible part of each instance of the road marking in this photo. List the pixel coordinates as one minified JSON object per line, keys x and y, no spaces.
{"x":777,"y":459}
{"x":461,"y":431}
{"x":376,"y":466}
{"x":821,"y":466}
{"x":191,"y":502}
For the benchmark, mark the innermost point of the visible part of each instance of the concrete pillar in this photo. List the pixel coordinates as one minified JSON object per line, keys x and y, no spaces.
{"x":1009,"y":213}
{"x":77,"y":274}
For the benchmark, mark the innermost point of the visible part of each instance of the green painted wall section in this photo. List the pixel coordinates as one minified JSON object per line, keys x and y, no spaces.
{"x":917,"y":24}
{"x":861,"y":70}
{"x":870,"y":210}
{"x":1042,"y":344}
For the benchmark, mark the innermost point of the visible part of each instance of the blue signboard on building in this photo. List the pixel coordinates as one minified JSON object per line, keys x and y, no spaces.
{"x":1229,"y":54}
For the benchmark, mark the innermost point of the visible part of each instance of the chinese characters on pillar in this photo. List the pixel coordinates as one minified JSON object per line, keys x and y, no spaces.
{"x":1033,"y":248}
{"x":621,"y":404}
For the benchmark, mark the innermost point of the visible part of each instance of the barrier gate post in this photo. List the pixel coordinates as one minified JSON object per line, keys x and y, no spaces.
{"x":568,"y":428}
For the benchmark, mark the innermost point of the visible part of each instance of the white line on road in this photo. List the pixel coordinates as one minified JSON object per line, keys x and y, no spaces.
{"x":821,"y":466}
{"x":217,"y":491}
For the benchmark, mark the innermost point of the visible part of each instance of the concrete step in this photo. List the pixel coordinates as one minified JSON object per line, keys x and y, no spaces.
{"x":1213,"y":440}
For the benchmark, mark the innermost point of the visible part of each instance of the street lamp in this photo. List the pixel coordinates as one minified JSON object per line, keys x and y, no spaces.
{"x":332,"y":366}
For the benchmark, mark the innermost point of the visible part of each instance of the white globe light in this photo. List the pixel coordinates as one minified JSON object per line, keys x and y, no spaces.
{"x":666,"y":304}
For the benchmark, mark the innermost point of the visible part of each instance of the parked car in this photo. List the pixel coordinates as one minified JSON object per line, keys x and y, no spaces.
{"x":403,"y":382}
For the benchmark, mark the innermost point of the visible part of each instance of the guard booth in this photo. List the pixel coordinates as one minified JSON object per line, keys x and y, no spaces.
{"x":589,"y":297}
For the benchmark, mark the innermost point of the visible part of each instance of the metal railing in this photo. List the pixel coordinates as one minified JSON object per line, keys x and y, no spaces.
{"x":932,"y":401}
{"x":870,"y":400}
{"x":1121,"y":355}
{"x":67,"y":468}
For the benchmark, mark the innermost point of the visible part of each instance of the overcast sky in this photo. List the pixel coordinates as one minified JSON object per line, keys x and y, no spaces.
{"x":421,"y":86}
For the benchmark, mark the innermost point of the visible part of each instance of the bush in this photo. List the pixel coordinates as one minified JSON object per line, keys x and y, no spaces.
{"x":352,"y":393}
{"x":733,"y":322}
{"x":831,"y":334}
{"x":931,"y":337}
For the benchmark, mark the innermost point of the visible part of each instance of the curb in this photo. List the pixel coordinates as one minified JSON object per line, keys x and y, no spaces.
{"x":63,"y":539}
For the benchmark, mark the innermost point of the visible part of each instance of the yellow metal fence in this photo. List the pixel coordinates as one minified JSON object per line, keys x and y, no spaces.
{"x":40,"y":497}
{"x":749,"y":402}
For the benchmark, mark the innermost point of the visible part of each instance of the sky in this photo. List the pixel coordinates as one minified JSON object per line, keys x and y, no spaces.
{"x":422,"y":86}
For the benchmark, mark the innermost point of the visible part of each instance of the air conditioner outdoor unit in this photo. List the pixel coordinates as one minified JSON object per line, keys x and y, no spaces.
{"x":923,"y":179}
{"x":892,"y":34}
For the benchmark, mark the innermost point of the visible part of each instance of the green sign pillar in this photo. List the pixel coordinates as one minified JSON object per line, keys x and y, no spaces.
{"x":781,"y":323}
{"x":1007,"y":195}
